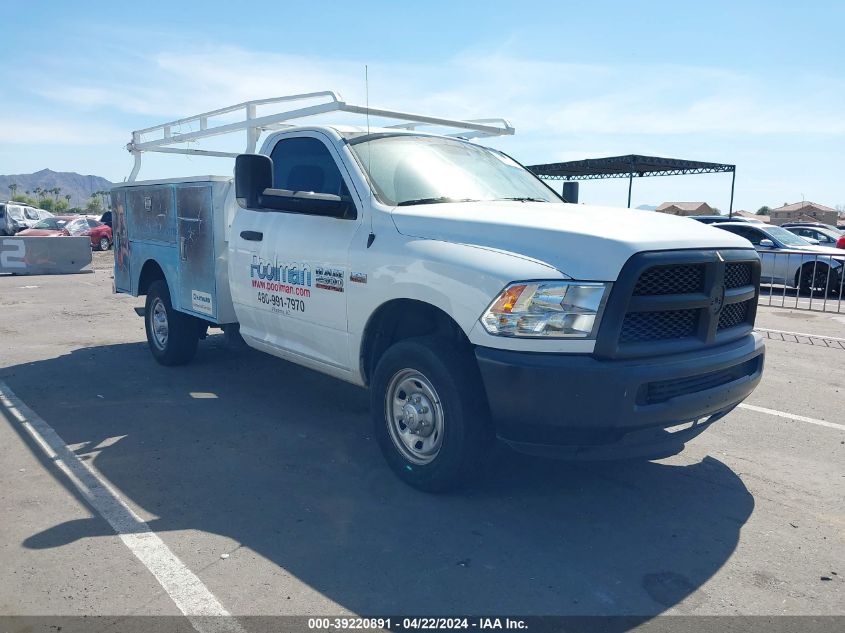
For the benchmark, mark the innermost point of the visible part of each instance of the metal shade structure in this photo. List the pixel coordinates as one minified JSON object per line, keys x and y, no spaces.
{"x":631,"y":166}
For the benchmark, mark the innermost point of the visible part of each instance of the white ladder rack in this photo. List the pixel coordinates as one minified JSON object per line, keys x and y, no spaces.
{"x":161,"y":138}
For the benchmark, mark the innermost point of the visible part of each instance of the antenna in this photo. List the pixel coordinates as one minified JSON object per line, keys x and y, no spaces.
{"x":372,"y":236}
{"x":367,"y":95}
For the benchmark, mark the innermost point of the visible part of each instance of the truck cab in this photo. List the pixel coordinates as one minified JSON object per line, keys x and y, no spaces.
{"x":461,"y":290}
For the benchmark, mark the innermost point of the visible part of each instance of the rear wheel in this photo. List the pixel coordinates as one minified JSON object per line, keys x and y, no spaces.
{"x":171,"y":335}
{"x":430,"y":413}
{"x":104,"y":244}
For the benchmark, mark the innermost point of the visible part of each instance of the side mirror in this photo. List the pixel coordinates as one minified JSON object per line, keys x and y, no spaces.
{"x":570,"y":191}
{"x":253,"y":174}
{"x":766,"y":243}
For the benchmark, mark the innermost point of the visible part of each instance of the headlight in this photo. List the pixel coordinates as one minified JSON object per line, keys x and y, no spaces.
{"x":551,"y":309}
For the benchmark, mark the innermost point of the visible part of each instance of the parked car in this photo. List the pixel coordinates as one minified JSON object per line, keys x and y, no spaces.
{"x":818,"y":225}
{"x":101,"y":234}
{"x":814,"y":267}
{"x":15,"y":217}
{"x":713,"y":219}
{"x":822,"y":236}
{"x":65,"y":225}
{"x":11,"y":219}
{"x":50,"y":227}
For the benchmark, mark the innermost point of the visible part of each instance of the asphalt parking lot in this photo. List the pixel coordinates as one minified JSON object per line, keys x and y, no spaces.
{"x":262,"y":479}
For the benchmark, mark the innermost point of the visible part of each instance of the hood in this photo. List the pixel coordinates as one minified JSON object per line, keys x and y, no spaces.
{"x":827,"y":250}
{"x":583,"y":242}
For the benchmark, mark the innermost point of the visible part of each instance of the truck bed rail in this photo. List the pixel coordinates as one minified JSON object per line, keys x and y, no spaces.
{"x":162,"y":138}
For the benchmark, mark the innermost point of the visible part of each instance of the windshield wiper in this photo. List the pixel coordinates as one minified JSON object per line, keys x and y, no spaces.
{"x":524,"y":199}
{"x":408,"y":203}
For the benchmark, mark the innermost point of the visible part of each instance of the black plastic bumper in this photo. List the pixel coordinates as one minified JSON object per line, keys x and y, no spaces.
{"x":580,"y":407}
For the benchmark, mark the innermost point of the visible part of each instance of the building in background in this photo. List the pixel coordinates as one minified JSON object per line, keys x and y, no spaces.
{"x":686,"y":208}
{"x":752,"y":216}
{"x":805,"y":211}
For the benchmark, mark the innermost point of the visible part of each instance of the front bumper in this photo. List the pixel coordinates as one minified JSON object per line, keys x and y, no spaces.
{"x":581,"y":407}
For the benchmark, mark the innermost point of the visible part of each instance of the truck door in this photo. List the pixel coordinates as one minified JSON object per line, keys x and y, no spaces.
{"x":289,"y":270}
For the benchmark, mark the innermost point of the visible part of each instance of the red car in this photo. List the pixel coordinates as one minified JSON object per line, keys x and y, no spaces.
{"x":65,"y":225}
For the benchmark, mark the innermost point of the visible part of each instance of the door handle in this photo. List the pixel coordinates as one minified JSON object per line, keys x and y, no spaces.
{"x":252,"y":236}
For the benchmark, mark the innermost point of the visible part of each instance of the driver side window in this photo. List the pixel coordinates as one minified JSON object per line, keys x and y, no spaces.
{"x":305,"y":164}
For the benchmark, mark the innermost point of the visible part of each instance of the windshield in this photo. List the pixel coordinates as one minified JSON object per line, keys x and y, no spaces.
{"x":408,"y":169}
{"x":51,"y":223}
{"x":785,"y":237}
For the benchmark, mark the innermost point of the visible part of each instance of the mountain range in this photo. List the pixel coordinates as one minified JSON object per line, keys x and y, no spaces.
{"x":79,"y":187}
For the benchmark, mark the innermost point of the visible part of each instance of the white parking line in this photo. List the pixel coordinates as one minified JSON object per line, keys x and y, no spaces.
{"x":187,"y":591}
{"x":792,"y":416}
{"x":829,"y":338}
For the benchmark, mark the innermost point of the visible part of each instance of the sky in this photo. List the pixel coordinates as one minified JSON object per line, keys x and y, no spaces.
{"x":756,"y":84}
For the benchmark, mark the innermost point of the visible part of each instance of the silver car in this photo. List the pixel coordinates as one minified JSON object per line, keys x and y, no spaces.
{"x":791,"y":260}
{"x":821,"y":235}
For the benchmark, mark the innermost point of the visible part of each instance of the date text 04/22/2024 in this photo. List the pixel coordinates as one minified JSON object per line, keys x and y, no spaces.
{"x":414,"y":624}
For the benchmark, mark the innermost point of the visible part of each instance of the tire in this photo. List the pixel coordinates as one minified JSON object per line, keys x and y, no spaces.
{"x":104,"y":244}
{"x":808,"y":281}
{"x":171,"y":335}
{"x":443,"y":397}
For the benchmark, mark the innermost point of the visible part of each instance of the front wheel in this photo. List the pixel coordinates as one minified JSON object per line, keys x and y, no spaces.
{"x":816,"y":278}
{"x":171,"y":335}
{"x":430,"y":413}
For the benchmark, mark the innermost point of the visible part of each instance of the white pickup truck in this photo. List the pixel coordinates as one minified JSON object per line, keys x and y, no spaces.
{"x":471,"y":300}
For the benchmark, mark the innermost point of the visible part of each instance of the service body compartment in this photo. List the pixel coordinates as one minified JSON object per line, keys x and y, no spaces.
{"x":180,"y":225}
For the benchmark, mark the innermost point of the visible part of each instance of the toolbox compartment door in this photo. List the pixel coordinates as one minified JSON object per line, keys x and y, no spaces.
{"x":120,"y":237}
{"x":195,"y":240}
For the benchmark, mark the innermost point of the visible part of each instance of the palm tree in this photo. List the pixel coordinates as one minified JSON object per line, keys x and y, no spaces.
{"x":68,"y":197}
{"x":13,"y":188}
{"x":105,"y":198}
